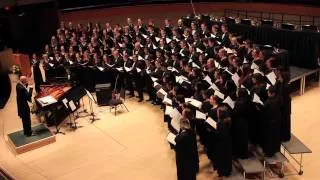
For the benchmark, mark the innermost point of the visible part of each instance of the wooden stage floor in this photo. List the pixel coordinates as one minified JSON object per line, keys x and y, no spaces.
{"x":132,"y":145}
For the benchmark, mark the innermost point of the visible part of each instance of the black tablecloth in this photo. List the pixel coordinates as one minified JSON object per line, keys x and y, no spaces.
{"x":303,"y":47}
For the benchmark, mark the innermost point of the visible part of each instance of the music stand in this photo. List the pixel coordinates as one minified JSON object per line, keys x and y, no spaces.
{"x":71,"y":108}
{"x":91,"y":101}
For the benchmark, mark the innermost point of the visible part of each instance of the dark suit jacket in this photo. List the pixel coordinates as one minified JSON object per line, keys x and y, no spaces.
{"x":225,"y":39}
{"x":23,"y":96}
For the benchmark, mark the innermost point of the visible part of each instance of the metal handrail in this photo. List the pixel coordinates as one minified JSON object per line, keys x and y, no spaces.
{"x":273,"y":16}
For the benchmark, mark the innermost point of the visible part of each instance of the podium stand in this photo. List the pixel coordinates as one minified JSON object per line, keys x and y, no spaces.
{"x":23,"y":61}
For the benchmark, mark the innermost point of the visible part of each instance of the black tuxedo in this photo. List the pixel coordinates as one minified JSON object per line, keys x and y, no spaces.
{"x":225,"y":41}
{"x":139,"y":77}
{"x":23,"y":96}
{"x":128,"y":76}
{"x":37,"y":76}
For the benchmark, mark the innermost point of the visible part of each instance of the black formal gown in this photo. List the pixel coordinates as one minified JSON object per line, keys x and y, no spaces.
{"x":37,"y":76}
{"x":283,"y":90}
{"x":271,"y":122}
{"x":239,"y":126}
{"x":186,"y":155}
{"x":223,"y":149}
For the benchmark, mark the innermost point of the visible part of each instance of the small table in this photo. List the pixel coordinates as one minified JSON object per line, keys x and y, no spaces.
{"x":295,"y":146}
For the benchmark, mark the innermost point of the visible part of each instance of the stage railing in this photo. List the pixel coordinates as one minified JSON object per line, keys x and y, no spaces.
{"x":277,"y":18}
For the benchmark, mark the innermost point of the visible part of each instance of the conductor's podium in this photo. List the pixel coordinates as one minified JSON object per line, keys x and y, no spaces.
{"x":21,"y":144}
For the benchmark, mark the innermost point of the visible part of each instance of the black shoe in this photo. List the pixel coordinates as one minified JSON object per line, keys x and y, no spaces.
{"x":149,"y":100}
{"x":140,"y":100}
{"x":32,"y":134}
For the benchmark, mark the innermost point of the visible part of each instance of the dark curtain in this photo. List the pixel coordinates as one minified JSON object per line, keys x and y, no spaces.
{"x":303,"y":47}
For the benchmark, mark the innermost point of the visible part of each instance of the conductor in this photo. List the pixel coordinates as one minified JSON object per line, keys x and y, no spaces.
{"x":23,"y":96}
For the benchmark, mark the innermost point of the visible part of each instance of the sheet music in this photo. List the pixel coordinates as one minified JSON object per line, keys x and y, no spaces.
{"x":121,"y":45}
{"x":190,"y":60}
{"x":161,"y":91}
{"x":47,"y":100}
{"x":194,"y":65}
{"x":157,"y":39}
{"x":245,"y":61}
{"x":175,"y":114}
{"x":181,"y":79}
{"x":229,"y":51}
{"x":219,"y":42}
{"x":208,"y":79}
{"x":227,"y":70}
{"x":168,"y":40}
{"x":72,"y":105}
{"x":235,"y":77}
{"x":51,"y":58}
{"x":144,"y":36}
{"x":175,"y":123}
{"x":120,"y":69}
{"x":140,"y":58}
{"x":174,"y":69}
{"x":219,"y":94}
{"x":51,"y":64}
{"x":168,"y":110}
{"x":166,"y":100}
{"x":65,"y":102}
{"x":211,"y":122}
{"x":212,"y":35}
{"x":70,"y":62}
{"x":214,"y":87}
{"x":217,"y":65}
{"x":256,"y":71}
{"x":200,"y":115}
{"x":254,"y":66}
{"x":138,"y":70}
{"x":171,"y":138}
{"x":182,"y":54}
{"x":194,"y":102}
{"x":257,"y":99}
{"x":199,"y":50}
{"x":100,"y":68}
{"x":154,"y":79}
{"x":154,"y":47}
{"x":272,"y":78}
{"x":229,"y":101}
